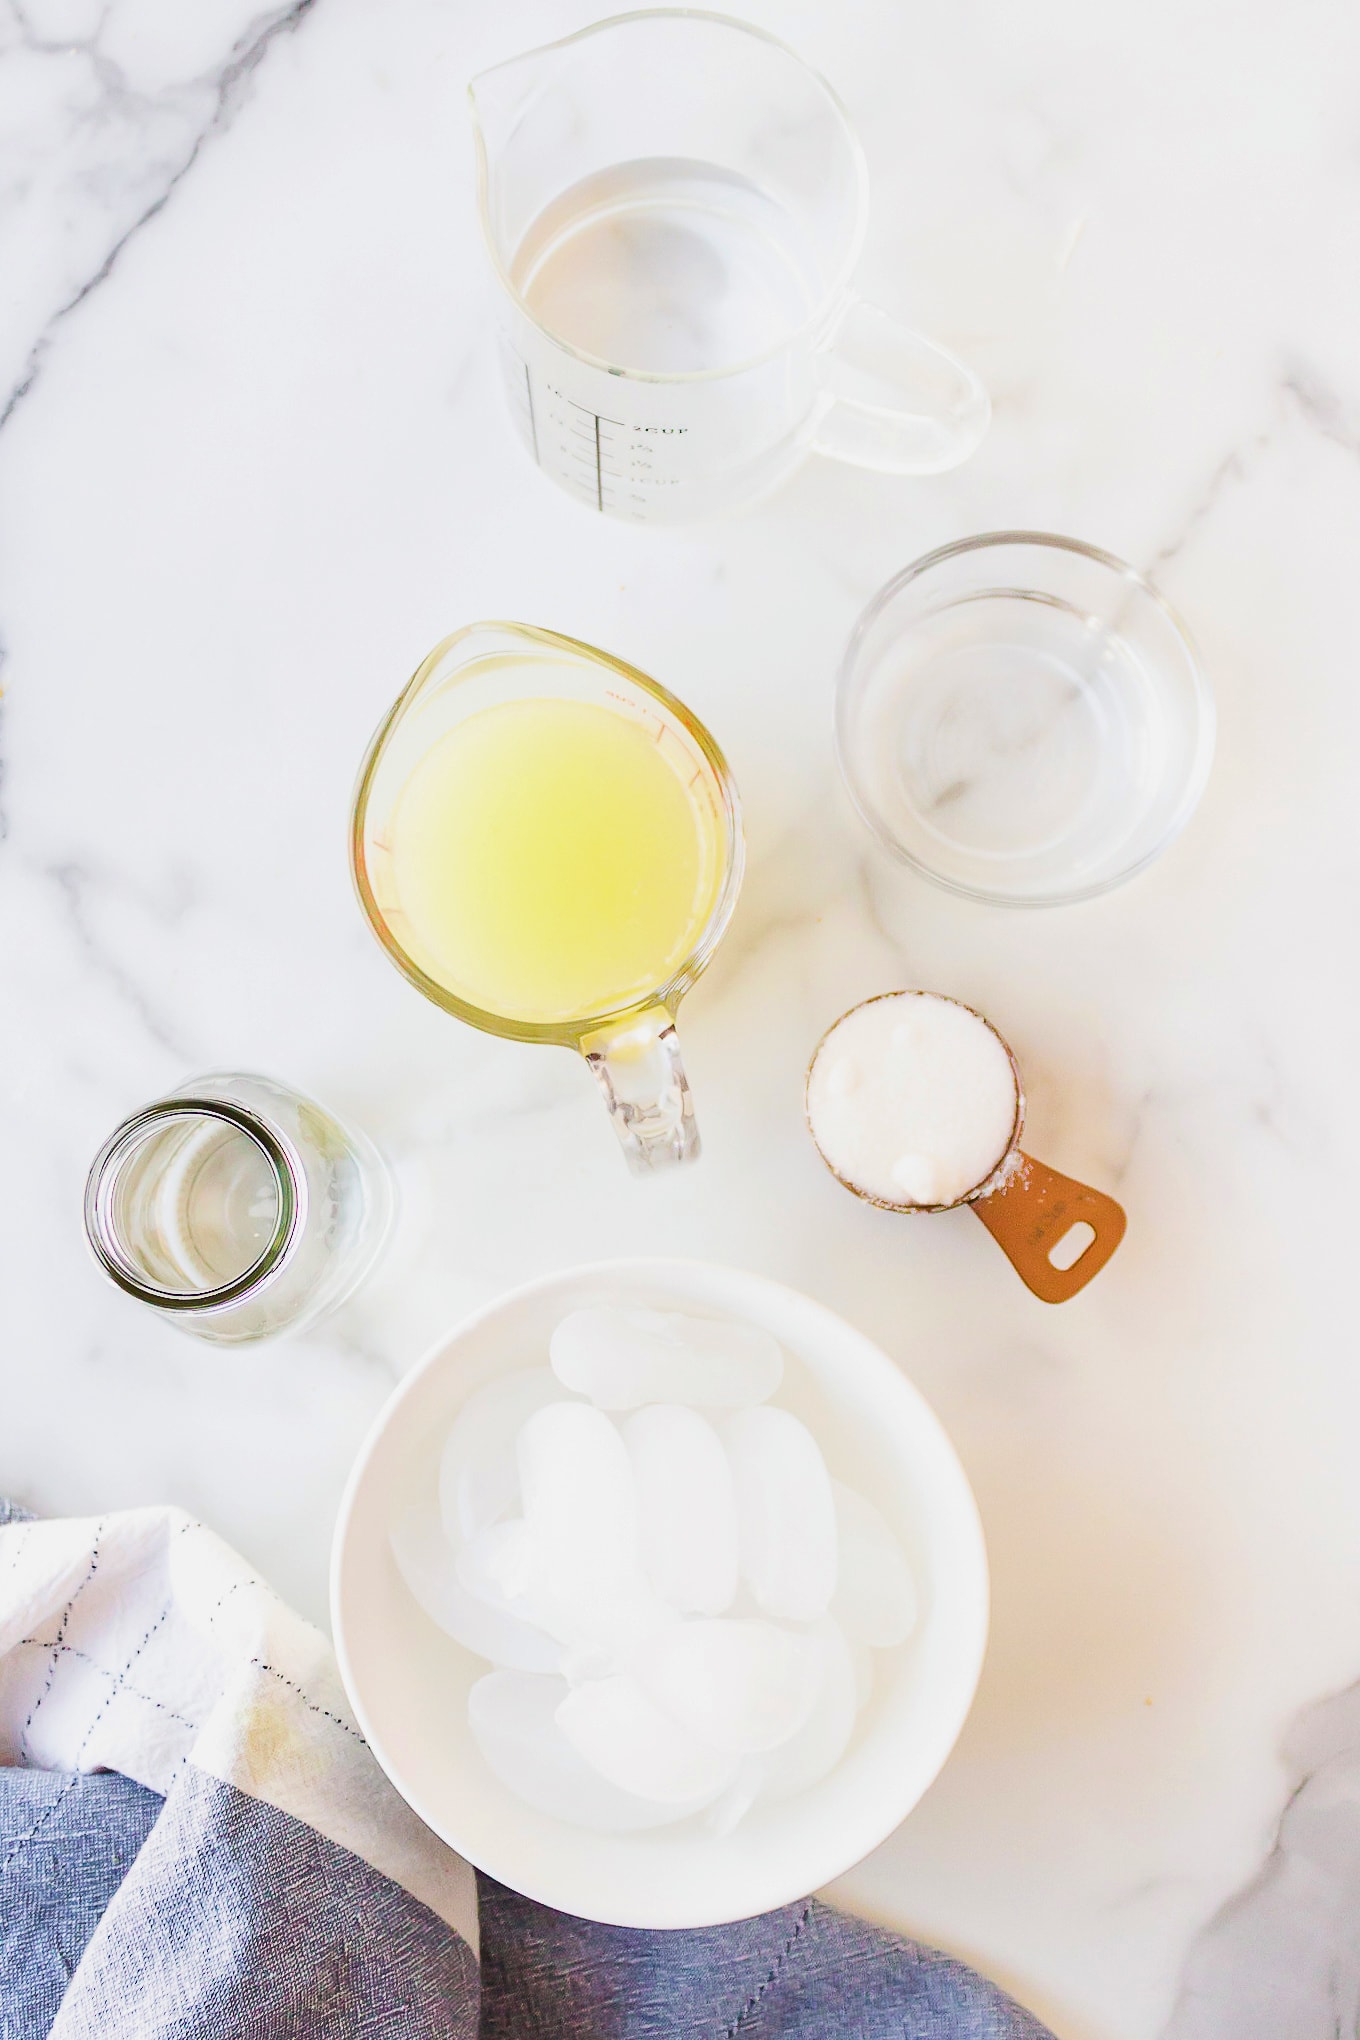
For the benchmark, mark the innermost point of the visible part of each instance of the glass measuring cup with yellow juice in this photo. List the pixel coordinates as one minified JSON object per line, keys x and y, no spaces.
{"x":548,"y":845}
{"x":551,"y":861}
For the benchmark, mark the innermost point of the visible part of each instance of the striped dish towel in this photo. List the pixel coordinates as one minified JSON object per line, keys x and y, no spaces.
{"x":196,"y":1844}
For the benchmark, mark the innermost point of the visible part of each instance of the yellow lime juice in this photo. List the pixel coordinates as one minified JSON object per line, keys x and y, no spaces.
{"x":550,"y":862}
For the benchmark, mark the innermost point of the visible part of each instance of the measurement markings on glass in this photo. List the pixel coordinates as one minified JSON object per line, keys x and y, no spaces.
{"x":592,"y":437}
{"x":522,"y":392}
{"x":598,"y":457}
{"x":610,"y":464}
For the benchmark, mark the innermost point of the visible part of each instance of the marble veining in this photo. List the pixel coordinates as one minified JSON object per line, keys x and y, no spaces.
{"x":121,"y":118}
{"x":1281,"y":1960}
{"x":254,"y":463}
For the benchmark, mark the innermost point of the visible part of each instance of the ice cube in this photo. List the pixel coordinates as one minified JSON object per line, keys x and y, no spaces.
{"x":623,"y":1359}
{"x":687,"y":1511}
{"x":743,"y":1684}
{"x":579,"y":1495}
{"x":822,"y":1740}
{"x":620,"y":1733}
{"x":875,"y":1594}
{"x":503,"y":1567}
{"x":731,"y":1807}
{"x":786,"y":1521}
{"x":580,"y":1509}
{"x":426,"y":1562}
{"x":512,"y":1718}
{"x":582,"y":1661}
{"x":478,"y":1478}
{"x":500,"y":1564}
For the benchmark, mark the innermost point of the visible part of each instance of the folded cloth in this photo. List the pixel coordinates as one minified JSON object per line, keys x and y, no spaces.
{"x":196,"y":1844}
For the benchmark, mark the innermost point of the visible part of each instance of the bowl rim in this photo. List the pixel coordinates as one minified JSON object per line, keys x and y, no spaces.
{"x":860,"y":1835}
{"x":1203,"y":706}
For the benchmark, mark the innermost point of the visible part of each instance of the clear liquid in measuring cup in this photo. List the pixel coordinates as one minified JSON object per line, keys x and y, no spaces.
{"x":666,"y":266}
{"x":197,"y":1205}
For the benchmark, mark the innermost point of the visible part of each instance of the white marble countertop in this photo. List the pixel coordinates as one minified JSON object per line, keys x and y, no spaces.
{"x":255,"y":464}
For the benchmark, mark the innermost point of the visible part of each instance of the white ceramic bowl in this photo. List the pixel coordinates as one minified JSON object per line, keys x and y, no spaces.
{"x":408,"y":1682}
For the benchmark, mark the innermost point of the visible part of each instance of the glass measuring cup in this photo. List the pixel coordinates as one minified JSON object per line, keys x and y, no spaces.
{"x":674,"y":205}
{"x":624,"y":1029}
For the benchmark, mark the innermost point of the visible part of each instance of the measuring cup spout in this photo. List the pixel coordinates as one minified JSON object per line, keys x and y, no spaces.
{"x":500,"y":101}
{"x":498,"y":97}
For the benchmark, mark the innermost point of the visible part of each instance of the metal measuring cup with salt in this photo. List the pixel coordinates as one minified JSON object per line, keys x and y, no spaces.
{"x":915,"y":1103}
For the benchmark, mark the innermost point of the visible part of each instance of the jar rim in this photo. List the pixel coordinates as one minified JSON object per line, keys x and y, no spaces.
{"x":128,"y":1139}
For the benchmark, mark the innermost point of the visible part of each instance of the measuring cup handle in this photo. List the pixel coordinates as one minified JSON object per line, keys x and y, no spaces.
{"x":1032,"y":1213}
{"x":637,"y":1065}
{"x":894,"y":400}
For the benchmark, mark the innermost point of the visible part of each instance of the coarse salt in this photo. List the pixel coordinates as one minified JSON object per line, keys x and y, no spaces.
{"x":912,"y":1099}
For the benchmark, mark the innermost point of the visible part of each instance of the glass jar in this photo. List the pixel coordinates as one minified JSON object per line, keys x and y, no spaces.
{"x":237,"y":1208}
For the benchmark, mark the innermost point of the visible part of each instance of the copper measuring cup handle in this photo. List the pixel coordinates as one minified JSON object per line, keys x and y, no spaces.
{"x":1033,"y":1209}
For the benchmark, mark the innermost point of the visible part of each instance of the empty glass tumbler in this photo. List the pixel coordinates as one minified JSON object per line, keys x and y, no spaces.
{"x":237,"y":1208}
{"x":1023,"y":719}
{"x":674,"y":205}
